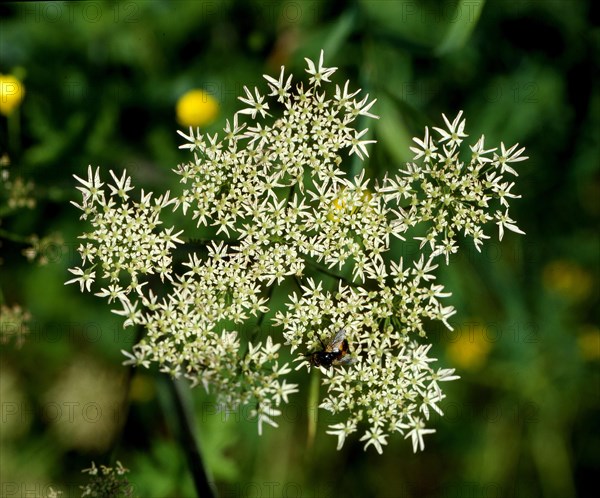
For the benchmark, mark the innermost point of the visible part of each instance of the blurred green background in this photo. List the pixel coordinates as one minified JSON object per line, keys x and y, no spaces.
{"x":102,"y":81}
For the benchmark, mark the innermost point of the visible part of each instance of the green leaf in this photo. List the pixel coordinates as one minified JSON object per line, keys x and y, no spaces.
{"x":465,"y":19}
{"x":391,"y":130}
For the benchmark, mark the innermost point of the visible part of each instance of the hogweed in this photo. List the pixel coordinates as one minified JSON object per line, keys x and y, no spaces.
{"x":107,"y":481}
{"x":276,"y":188}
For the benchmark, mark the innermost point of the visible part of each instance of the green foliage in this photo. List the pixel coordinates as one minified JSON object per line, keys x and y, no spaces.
{"x":102,"y":80}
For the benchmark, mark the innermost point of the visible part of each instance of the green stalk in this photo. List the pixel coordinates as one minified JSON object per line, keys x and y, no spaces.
{"x":189,"y":440}
{"x":14,"y":134}
{"x":313,"y":407}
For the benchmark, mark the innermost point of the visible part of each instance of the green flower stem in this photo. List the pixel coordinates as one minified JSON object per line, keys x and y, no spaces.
{"x":313,"y":406}
{"x":14,"y":133}
{"x":329,"y":273}
{"x":14,"y":237}
{"x":189,"y":440}
{"x":261,"y":318}
{"x":126,"y":400}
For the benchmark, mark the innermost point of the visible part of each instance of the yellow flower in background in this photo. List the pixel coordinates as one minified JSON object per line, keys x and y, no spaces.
{"x":567,"y":279}
{"x":12,"y":92}
{"x":589,"y":343}
{"x":197,"y":108}
{"x":470,"y":350}
{"x":142,"y":389}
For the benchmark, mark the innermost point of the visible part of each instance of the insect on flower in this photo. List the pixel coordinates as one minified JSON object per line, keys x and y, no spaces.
{"x":336,"y":352}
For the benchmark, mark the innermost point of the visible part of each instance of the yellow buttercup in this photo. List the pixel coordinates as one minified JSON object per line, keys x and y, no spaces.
{"x":197,"y":108}
{"x":12,"y":92}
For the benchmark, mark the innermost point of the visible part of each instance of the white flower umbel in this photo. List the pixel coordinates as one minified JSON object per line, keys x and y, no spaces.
{"x":275,"y":187}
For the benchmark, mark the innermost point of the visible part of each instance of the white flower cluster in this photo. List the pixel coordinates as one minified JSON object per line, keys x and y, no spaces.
{"x":450,"y":196}
{"x":392,"y":386}
{"x":275,"y":186}
{"x":125,"y":238}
